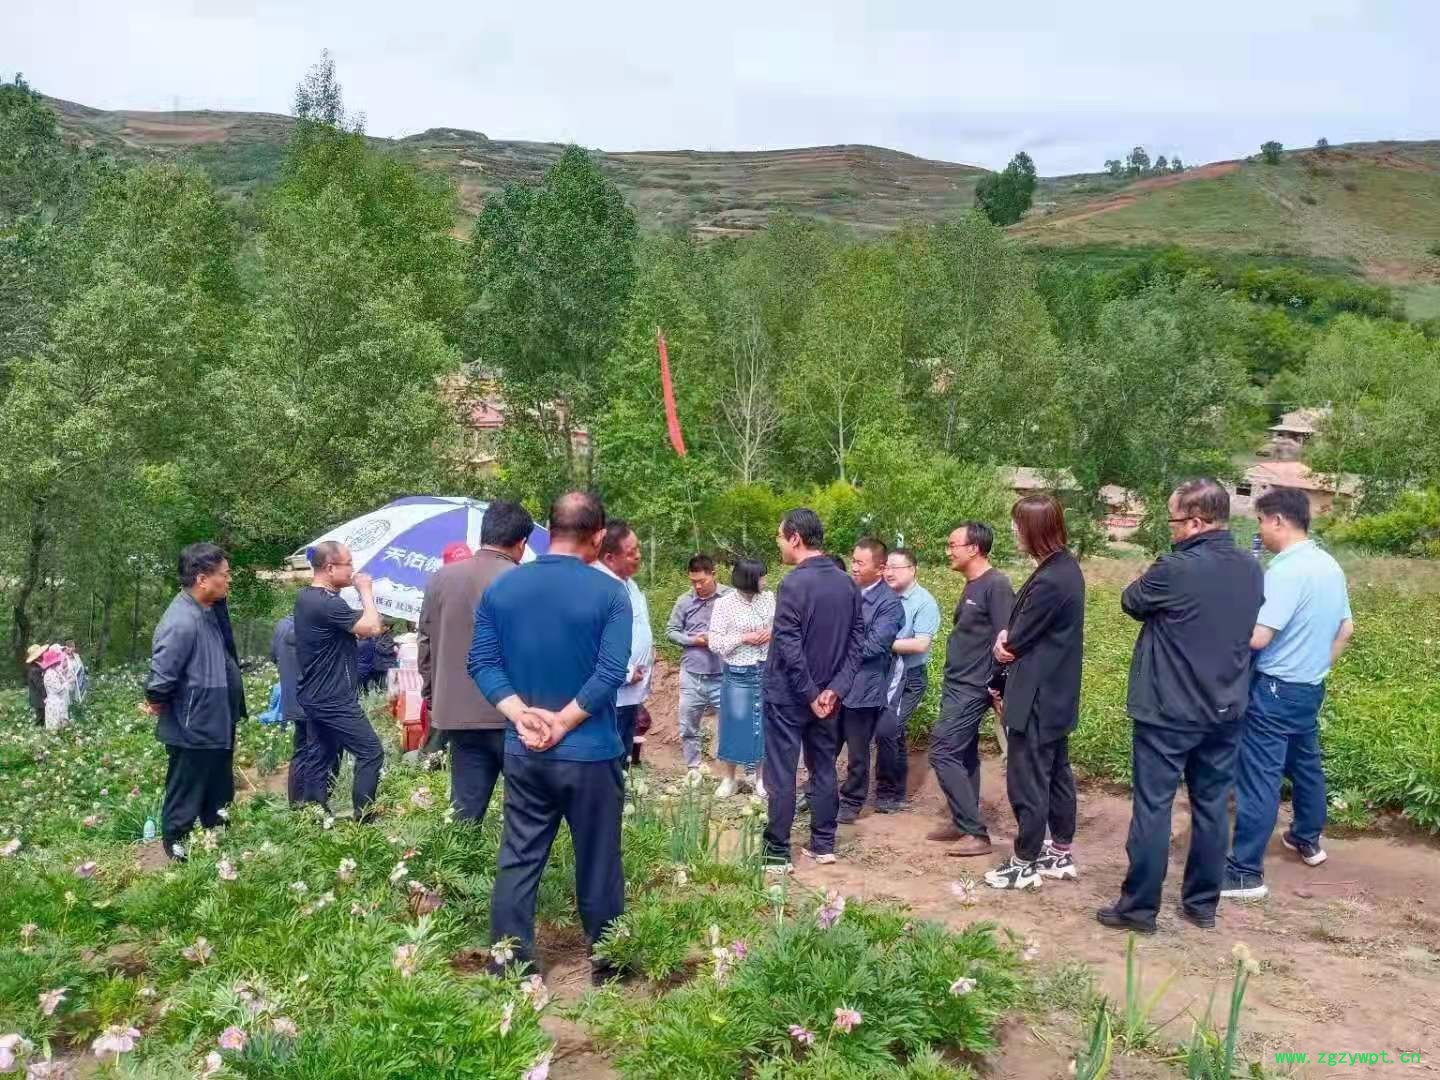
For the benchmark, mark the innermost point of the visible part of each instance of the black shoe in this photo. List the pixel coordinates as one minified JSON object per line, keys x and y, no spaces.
{"x":1196,"y":918}
{"x":847,"y":815}
{"x":892,"y":806}
{"x":175,"y":852}
{"x":1116,"y":920}
{"x":1310,"y":854}
{"x":602,"y":973}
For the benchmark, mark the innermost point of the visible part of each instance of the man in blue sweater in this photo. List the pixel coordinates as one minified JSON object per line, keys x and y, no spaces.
{"x":551,"y":647}
{"x":814,"y":653}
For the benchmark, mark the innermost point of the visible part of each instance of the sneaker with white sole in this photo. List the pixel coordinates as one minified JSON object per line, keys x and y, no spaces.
{"x":1243,"y":887}
{"x":725,"y":790}
{"x":1014,"y":874}
{"x":779,"y":869}
{"x":1057,"y":864}
{"x":824,"y":858}
{"x":1310,"y":854}
{"x":760,"y":792}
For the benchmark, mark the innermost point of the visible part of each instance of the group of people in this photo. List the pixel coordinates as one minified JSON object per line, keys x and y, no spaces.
{"x":56,"y":681}
{"x":538,"y":672}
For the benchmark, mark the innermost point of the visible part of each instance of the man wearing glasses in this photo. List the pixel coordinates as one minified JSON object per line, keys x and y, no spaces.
{"x":910,"y":680}
{"x":326,"y":630}
{"x":1189,"y":680}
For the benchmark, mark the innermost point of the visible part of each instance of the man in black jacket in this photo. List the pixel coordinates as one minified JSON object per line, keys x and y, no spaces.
{"x":195,"y":692}
{"x":1189,"y":679}
{"x":814,"y":653}
{"x":881,"y":615}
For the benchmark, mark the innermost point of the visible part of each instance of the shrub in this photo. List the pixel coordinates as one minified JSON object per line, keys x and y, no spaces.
{"x":1270,"y":152}
{"x":1410,"y":527}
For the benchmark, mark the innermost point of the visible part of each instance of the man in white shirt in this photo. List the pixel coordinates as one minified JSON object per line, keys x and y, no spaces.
{"x":620,"y":558}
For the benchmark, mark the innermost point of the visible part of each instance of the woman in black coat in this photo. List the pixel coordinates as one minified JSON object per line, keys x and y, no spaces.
{"x":1042,"y":649}
{"x":35,"y":683}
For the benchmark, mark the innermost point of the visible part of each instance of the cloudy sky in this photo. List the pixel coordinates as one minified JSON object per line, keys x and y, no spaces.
{"x":1071,"y":83}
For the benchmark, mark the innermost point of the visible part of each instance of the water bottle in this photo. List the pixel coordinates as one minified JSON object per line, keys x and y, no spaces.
{"x":149,"y":829}
{"x":1255,"y":545}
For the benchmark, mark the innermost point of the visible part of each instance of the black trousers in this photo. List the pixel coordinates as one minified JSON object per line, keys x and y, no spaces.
{"x":955,"y":756}
{"x":312,"y":756}
{"x":625,"y":721}
{"x":540,"y":791}
{"x":1206,"y":759}
{"x":198,"y":783}
{"x":857,"y":731}
{"x":345,"y":727}
{"x":789,"y":729}
{"x":1042,"y":791}
{"x":892,"y":758}
{"x":477,"y":759}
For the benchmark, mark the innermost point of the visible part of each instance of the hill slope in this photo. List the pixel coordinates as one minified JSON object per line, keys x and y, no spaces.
{"x":1373,"y":208}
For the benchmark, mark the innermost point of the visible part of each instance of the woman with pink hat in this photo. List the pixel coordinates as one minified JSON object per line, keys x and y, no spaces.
{"x":57,"y":689}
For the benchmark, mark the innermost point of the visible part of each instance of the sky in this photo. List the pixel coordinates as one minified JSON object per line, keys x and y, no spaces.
{"x":1072,"y":84}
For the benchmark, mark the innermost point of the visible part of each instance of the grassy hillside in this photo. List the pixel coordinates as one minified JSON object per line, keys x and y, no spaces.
{"x":1371,"y":209}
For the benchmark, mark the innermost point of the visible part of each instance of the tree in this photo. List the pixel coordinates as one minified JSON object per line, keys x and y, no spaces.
{"x":1270,"y":151}
{"x":1176,"y":165}
{"x":1161,"y":164}
{"x":551,"y":270}
{"x":1005,"y":196}
{"x":1115,"y":167}
{"x":1137,"y":162}
{"x":1322,"y":144}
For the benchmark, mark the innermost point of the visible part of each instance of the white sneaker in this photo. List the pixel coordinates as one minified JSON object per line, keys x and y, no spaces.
{"x":779,"y":869}
{"x":725,"y":790}
{"x":827,"y":858}
{"x":1056,"y":864}
{"x":760,"y":792}
{"x":1014,"y":874}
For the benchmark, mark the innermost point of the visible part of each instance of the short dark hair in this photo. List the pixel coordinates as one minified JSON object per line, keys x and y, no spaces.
{"x":325,"y":553}
{"x":1040,"y":520}
{"x":616,"y":530}
{"x":1205,"y":499}
{"x":505,"y":524}
{"x":839,"y":560}
{"x":979,"y":534}
{"x":197,"y":559}
{"x":908,"y":554}
{"x":877,"y":548}
{"x":1292,"y":504}
{"x":701,"y":564}
{"x":804,"y":523}
{"x":745,"y":575}
{"x":576,"y":515}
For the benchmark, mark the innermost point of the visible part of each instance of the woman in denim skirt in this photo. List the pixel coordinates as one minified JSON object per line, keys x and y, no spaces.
{"x":740,"y":635}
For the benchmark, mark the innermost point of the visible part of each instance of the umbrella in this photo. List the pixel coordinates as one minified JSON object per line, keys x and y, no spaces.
{"x":402,"y":543}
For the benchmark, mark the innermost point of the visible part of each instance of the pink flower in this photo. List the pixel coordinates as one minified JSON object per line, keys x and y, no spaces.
{"x":50,"y":1000}
{"x":11,"y":846}
{"x":404,"y":960}
{"x":86,"y":870}
{"x":422,"y":799}
{"x":233,"y":1038}
{"x":116,"y":1039}
{"x":846,"y":1019}
{"x":506,"y":1015}
{"x":12,"y":1047}
{"x":540,"y":1070}
{"x":199,"y":953}
{"x":46,"y":1070}
{"x":534,"y":989}
{"x":91,"y":821}
{"x":961,"y":986}
{"x":284,"y":1027}
{"x":801,"y":1036}
{"x":226,"y":869}
{"x":28,"y":931}
{"x":740,"y":949}
{"x":830,"y":913}
{"x":965,"y":892}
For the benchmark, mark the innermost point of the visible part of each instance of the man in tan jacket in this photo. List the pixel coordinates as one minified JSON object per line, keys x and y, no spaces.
{"x":476,"y":730}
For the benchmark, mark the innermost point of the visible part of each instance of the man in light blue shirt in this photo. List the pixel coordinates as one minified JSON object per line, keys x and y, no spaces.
{"x":620,"y":559}
{"x":910,"y":678}
{"x":1303,"y":627}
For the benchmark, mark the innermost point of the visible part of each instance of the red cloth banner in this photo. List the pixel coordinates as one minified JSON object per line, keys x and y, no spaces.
{"x":672,"y":418}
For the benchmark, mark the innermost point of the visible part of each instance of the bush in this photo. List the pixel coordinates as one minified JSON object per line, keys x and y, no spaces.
{"x":1270,"y":152}
{"x":1410,"y":527}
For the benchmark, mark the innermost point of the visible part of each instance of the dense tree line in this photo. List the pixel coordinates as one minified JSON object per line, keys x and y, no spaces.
{"x":171,"y":369}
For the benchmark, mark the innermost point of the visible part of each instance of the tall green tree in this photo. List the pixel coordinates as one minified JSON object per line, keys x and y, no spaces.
{"x":1004,"y":197}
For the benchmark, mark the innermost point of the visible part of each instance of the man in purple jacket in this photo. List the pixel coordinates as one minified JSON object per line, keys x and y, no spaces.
{"x":814,"y":654}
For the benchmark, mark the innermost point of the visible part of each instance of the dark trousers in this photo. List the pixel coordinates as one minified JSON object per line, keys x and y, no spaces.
{"x":39,"y":715}
{"x":198,"y":783}
{"x":892,"y":759}
{"x":539,"y":792}
{"x":314,"y":764}
{"x":476,"y":760}
{"x":955,"y":756}
{"x":1281,"y":738}
{"x":1161,"y":756}
{"x":789,"y":729}
{"x":625,"y":722}
{"x":857,"y":732}
{"x":1042,"y":791}
{"x":346,"y":728}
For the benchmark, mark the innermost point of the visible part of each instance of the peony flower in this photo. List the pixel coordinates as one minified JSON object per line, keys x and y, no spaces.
{"x":116,"y":1039}
{"x":961,"y":986}
{"x":284,"y":1027}
{"x":846,"y":1020}
{"x":682,"y":878}
{"x":502,"y":952}
{"x":1252,"y":967}
{"x":233,"y":1038}
{"x":801,"y":1036}
{"x":534,"y":988}
{"x":506,"y":1015}
{"x":46,"y":1070}
{"x":11,"y":846}
{"x":199,"y":953}
{"x":327,"y":822}
{"x":422,"y":799}
{"x":213,"y":1064}
{"x":12,"y":1047}
{"x":346,"y":872}
{"x":226,"y":869}
{"x":540,"y":1070}
{"x":50,"y":1000}
{"x":299,"y":888}
{"x":739,"y":949}
{"x":398,"y":874}
{"x":28,"y":931}
{"x":86,"y":870}
{"x":404,"y":960}
{"x":91,"y":821}
{"x":830,"y":912}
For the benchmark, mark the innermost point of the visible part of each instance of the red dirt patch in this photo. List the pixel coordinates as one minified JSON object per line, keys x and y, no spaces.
{"x":1117,"y":200}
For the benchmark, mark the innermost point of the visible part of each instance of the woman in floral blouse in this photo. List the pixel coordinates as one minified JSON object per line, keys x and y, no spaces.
{"x":740,"y":635}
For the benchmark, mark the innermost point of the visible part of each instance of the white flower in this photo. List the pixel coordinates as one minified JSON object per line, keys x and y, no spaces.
{"x":540,"y":1070}
{"x":1240,"y":951}
{"x":11,"y":846}
{"x":116,"y":1039}
{"x":328,"y":822}
{"x":965,"y":892}
{"x":285,"y":1027}
{"x":693,"y":779}
{"x":502,"y":952}
{"x":199,"y":953}
{"x":226,"y":869}
{"x":50,"y":1000}
{"x":299,"y":888}
{"x":422,"y":799}
{"x":506,"y":1014}
{"x":1252,"y":966}
{"x":961,"y":986}
{"x":682,"y":878}
{"x":534,"y":988}
{"x":13,"y":1047}
{"x":398,"y":874}
{"x":404,"y":960}
{"x":346,"y":872}
{"x":213,"y":1064}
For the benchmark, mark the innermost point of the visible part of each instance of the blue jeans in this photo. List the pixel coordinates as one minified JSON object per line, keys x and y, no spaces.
{"x":697,"y":693}
{"x":1281,"y":738}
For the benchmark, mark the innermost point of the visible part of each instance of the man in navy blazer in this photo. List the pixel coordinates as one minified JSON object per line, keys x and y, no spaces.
{"x":814,"y":653}
{"x":882,"y":615}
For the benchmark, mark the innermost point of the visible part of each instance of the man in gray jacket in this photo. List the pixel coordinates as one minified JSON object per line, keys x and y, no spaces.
{"x":196,"y":694}
{"x":700,"y":669}
{"x":475,"y":728}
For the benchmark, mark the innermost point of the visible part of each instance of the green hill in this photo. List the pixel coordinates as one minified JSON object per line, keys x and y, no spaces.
{"x":1368,"y":209}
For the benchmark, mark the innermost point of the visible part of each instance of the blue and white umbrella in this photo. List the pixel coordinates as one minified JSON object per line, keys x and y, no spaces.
{"x":400,"y":546}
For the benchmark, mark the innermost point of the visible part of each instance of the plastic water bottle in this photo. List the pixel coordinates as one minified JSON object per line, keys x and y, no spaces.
{"x":1255,"y":546}
{"x":149,"y":829}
